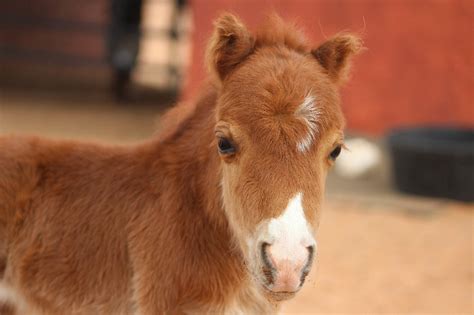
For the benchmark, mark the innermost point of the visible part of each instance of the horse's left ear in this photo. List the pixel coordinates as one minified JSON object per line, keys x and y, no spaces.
{"x":230,"y":44}
{"x":335,"y":55}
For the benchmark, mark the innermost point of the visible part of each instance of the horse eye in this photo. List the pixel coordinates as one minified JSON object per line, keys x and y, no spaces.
{"x":225,"y":146}
{"x":335,"y":153}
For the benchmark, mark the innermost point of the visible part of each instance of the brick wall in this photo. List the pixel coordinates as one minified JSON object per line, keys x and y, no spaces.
{"x":68,"y":27}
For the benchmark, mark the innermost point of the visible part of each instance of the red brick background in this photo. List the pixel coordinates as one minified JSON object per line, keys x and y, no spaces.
{"x":417,"y":69}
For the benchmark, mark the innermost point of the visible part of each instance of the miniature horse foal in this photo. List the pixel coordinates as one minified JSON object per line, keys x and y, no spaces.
{"x":217,"y":214}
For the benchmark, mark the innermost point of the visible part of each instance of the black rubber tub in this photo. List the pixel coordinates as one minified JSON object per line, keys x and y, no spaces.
{"x":431,"y":161}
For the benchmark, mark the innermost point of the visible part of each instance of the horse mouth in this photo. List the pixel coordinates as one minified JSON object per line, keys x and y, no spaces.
{"x":280,"y":295}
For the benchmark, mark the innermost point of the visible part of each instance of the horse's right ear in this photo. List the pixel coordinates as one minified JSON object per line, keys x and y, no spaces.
{"x":230,"y":44}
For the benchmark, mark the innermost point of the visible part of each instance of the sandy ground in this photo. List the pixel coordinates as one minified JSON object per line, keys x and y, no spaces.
{"x":379,"y":252}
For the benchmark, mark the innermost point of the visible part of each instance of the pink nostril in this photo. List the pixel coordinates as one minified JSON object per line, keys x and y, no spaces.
{"x":268,"y":269}
{"x":307,"y":266}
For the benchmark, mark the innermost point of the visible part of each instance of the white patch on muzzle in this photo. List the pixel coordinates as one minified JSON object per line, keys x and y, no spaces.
{"x":290,"y":233}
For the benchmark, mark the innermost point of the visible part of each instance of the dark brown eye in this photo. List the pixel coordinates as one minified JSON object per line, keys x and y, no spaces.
{"x":335,"y":153}
{"x":225,"y":146}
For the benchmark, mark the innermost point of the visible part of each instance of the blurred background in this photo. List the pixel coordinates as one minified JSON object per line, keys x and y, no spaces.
{"x":397,"y":231}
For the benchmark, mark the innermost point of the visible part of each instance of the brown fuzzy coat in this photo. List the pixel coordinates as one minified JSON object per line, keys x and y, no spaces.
{"x":83,"y":222}
{"x":95,"y":229}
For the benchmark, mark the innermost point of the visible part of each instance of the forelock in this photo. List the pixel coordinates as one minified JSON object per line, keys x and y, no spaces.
{"x":276,"y":32}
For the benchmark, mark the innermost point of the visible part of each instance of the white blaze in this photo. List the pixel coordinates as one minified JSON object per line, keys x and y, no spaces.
{"x":290,"y":232}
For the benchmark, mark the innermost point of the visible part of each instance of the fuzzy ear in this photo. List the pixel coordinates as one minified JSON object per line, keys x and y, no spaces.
{"x":230,"y":44}
{"x":335,"y":55}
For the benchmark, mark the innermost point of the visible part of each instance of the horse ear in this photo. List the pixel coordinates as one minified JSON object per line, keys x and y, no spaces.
{"x":230,"y":44}
{"x":335,"y":55}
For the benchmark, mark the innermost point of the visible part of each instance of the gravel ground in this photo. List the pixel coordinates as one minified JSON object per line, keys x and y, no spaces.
{"x":379,"y":258}
{"x":379,"y":252}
